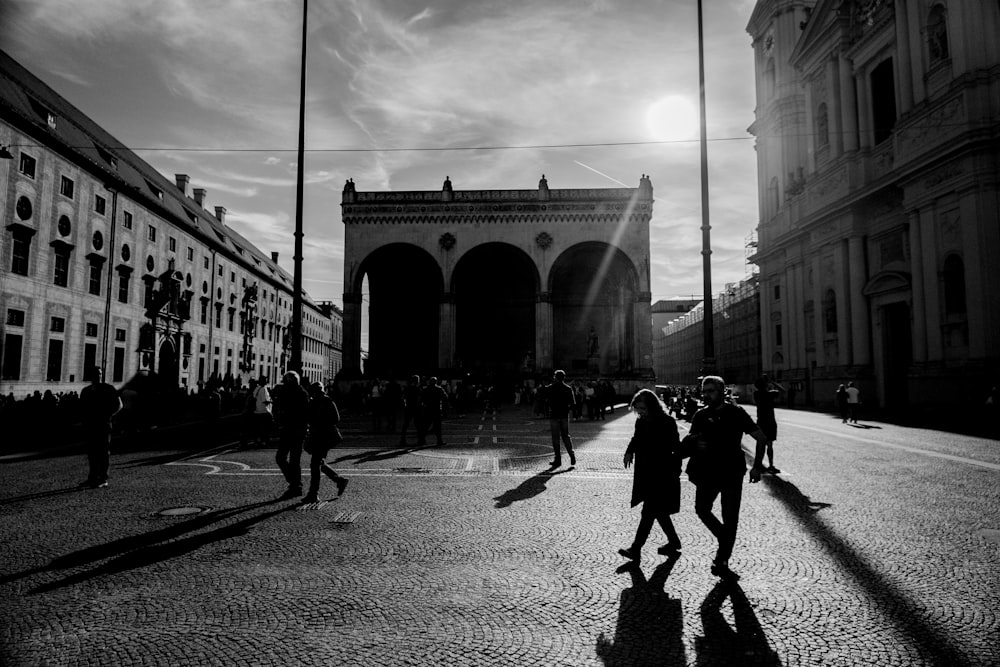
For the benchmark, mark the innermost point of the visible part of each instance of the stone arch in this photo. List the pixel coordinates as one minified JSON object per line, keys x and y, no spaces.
{"x":406,"y":287}
{"x":495,"y":288}
{"x":593,"y":289}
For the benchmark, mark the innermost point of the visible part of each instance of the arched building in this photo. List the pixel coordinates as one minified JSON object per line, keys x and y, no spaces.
{"x":499,"y":281}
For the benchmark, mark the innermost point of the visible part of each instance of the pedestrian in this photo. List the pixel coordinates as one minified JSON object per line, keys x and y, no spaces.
{"x":99,"y":403}
{"x":561,"y":400}
{"x":262,"y":411}
{"x":842,"y":402}
{"x":433,"y":399}
{"x":656,"y":484}
{"x":411,"y":410}
{"x":853,"y":401}
{"x":717,"y":466}
{"x":293,"y":414}
{"x":764,"y":397}
{"x":323,"y":418}
{"x":375,"y":395}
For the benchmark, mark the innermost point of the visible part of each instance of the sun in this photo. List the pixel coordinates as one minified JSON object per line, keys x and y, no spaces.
{"x":672,"y":118}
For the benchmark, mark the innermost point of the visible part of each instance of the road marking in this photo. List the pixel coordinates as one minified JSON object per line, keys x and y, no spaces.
{"x":915,"y":450}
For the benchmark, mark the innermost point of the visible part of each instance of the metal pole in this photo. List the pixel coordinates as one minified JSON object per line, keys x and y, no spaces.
{"x":708,"y":360}
{"x":109,"y":282}
{"x":296,"y":360}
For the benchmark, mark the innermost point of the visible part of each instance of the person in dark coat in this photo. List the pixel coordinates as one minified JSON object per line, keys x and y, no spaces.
{"x":561,"y":400}
{"x":842,"y":402}
{"x":656,"y":482}
{"x":411,"y":410}
{"x":323,"y":418}
{"x":293,"y":406}
{"x":435,"y":399}
{"x":765,"y":396}
{"x":99,"y":403}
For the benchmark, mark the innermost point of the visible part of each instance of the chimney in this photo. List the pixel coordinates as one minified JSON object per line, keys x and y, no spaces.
{"x":274,"y":256}
{"x":220,"y":214}
{"x":182,"y":183}
{"x":199,"y":196}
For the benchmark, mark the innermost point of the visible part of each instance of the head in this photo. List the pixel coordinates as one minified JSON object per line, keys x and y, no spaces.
{"x":262,"y":381}
{"x":433,"y":381}
{"x":647,"y":404}
{"x":559,"y":376}
{"x":762,"y":382}
{"x":713,"y":389}
{"x":291,"y":378}
{"x":850,"y":384}
{"x":316,"y":390}
{"x":414,"y":380}
{"x":841,"y":387}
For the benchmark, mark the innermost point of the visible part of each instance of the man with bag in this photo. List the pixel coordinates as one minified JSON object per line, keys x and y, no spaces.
{"x":323,"y":418}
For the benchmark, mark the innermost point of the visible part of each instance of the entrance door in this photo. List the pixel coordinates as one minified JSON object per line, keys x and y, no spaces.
{"x":167,"y":364}
{"x":897,"y":353}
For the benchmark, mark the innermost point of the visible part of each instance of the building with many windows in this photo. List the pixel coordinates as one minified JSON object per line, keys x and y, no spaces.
{"x":878,"y":135}
{"x":335,"y":360}
{"x":106,"y":263}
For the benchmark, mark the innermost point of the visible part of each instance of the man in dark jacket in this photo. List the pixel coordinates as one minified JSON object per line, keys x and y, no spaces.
{"x":411,"y":410}
{"x":435,"y":398}
{"x":293,"y":415}
{"x":99,"y":403}
{"x":561,"y":400}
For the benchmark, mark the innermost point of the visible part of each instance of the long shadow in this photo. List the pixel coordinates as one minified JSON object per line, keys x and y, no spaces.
{"x":790,"y":494}
{"x":722,"y":644}
{"x":650,"y":625}
{"x":527,"y":489}
{"x":124,"y":545}
{"x":906,"y":616}
{"x":41,"y":494}
{"x":864,"y":426}
{"x":379,"y":454}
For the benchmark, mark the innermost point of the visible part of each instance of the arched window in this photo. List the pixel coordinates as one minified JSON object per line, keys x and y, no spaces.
{"x":772,"y":196}
{"x":822,"y":126}
{"x":769,"y":79}
{"x":937,"y":35}
{"x":830,"y":312}
{"x":954,"y":285}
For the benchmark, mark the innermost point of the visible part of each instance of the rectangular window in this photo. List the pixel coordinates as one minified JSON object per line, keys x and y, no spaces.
{"x":100,"y":204}
{"x":66,"y":187}
{"x":777,"y":292}
{"x":151,"y":234}
{"x":91,"y":329}
{"x":232,"y":276}
{"x":172,"y":244}
{"x":205,"y":261}
{"x":61,"y":276}
{"x":20,"y":250}
{"x":232,"y":313}
{"x":15,"y":318}
{"x":126,"y":220}
{"x":118,"y":372}
{"x":27,"y":165}
{"x":89,"y":361}
{"x":190,"y":254}
{"x":54,"y":367}
{"x":123,"y":285}
{"x":120,"y":335}
{"x":221,"y":272}
{"x":147,"y":297}
{"x":204,"y":311}
{"x":218,"y":316}
{"x":777,"y":334}
{"x":11,"y":369}
{"x":57,"y":324}
{"x":96,"y":271}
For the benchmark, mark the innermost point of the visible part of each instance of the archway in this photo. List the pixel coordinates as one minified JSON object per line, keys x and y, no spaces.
{"x":405,"y":287}
{"x":166,"y":364}
{"x":593,"y":287}
{"x":495,"y":286}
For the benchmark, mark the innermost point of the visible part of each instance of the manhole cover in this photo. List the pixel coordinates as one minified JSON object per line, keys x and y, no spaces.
{"x":991,"y":534}
{"x":182,"y":511}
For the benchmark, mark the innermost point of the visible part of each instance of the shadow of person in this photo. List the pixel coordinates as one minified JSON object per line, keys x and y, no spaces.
{"x":864,"y":426}
{"x":40,"y":494}
{"x":527,"y":489}
{"x":723,"y":644}
{"x":791,"y":495}
{"x":650,"y":623}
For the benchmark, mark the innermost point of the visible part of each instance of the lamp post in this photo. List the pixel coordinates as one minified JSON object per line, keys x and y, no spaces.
{"x":110,"y":282}
{"x":295,"y":363}
{"x":708,"y":357}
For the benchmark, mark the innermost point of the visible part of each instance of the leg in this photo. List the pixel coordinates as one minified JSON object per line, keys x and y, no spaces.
{"x":554,"y":430}
{"x":731,"y":498}
{"x":315,"y":461}
{"x":645,"y":525}
{"x":295,"y":462}
{"x":568,"y":441}
{"x":339,"y":480}
{"x":673,"y":540}
{"x":704,"y":498}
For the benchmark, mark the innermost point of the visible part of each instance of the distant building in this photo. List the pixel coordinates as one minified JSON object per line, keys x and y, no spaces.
{"x":664,"y":312}
{"x":104,"y":262}
{"x":335,"y":359}
{"x":877,"y":128}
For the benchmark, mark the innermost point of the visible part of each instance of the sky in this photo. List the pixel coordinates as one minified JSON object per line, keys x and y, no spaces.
{"x":210,"y":88}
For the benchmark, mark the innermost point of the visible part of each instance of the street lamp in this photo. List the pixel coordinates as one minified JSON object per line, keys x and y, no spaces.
{"x":296,"y":360}
{"x":708,"y":358}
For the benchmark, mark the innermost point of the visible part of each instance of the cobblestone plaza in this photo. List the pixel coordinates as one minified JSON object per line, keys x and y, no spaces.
{"x":874,"y":546}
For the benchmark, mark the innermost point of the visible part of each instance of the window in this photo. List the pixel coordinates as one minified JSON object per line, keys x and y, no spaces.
{"x":232,"y":313}
{"x":120,"y":335}
{"x":96,"y":272}
{"x":205,"y":262}
{"x":151,"y":233}
{"x":126,"y":220}
{"x":830,"y":312}
{"x":218,"y":316}
{"x":66,"y":187}
{"x":118,"y":369}
{"x":172,"y":244}
{"x":61,"y":277}
{"x":23,"y":208}
{"x":53,"y":372}
{"x":777,"y":334}
{"x":190,"y":254}
{"x":777,"y":292}
{"x":822,"y":126}
{"x":204,"y":311}
{"x":27,"y":165}
{"x":769,"y":79}
{"x":954,"y":286}
{"x":57,"y":324}
{"x":20,"y":250}
{"x":89,"y":361}
{"x":772,"y":196}
{"x":123,"y":284}
{"x":147,"y":297}
{"x":91,"y":330}
{"x":100,"y":204}
{"x":221,"y":272}
{"x":15,"y":318}
{"x":11,"y":369}
{"x":937,"y":35}
{"x":883,"y":100}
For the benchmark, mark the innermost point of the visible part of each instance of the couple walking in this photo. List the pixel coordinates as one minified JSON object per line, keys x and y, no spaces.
{"x":716,"y":467}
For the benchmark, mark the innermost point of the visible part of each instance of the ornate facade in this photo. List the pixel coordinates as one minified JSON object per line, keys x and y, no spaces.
{"x":878,"y":128}
{"x":499,"y":281}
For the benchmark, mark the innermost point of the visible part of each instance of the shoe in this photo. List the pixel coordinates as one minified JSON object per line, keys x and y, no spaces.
{"x":292,"y":492}
{"x":555,"y":464}
{"x":572,"y":458}
{"x":85,"y":484}
{"x":341,"y":485}
{"x":99,"y":485}
{"x":309,"y":499}
{"x":773,"y":470}
{"x":720,"y":568}
{"x":631,"y":553}
{"x":669,"y":549}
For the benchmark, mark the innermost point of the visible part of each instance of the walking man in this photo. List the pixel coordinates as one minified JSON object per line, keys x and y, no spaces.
{"x":853,"y":401}
{"x":411,"y":410}
{"x":99,"y":403}
{"x":323,"y":434}
{"x":765,"y":396}
{"x":293,"y":415}
{"x":718,"y":464}
{"x":561,"y":401}
{"x":435,"y":398}
{"x":262,"y":412}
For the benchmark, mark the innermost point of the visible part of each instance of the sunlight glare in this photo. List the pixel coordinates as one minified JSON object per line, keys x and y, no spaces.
{"x":672,"y":118}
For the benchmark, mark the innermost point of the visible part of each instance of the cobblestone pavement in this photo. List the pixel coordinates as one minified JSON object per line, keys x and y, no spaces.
{"x":875,"y":546}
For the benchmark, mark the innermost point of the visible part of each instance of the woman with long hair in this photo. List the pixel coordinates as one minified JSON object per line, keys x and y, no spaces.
{"x":656,"y":482}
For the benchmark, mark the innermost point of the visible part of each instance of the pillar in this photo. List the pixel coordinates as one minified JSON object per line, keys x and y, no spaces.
{"x":916,"y":54}
{"x":352,"y":332}
{"x":819,"y":315}
{"x":642,"y":353}
{"x":860,"y":321}
{"x":917,"y":288}
{"x":799,"y":314}
{"x":543,"y":331}
{"x":843,"y":291}
{"x":848,"y":105}
{"x":833,"y":109}
{"x":865,"y":136}
{"x":446,"y":331}
{"x":904,"y":74}
{"x":932,"y":293}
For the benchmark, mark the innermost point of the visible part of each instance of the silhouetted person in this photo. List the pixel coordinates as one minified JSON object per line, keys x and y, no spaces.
{"x":764,"y":397}
{"x":434,"y":399}
{"x":656,"y":482}
{"x":853,"y":402}
{"x":842,"y":402}
{"x":411,"y":410}
{"x":560,"y":398}
{"x":718,"y":465}
{"x":262,"y":411}
{"x":323,"y":418}
{"x":99,"y":403}
{"x":293,"y":406}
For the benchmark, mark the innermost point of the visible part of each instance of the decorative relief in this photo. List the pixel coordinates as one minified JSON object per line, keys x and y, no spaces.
{"x":943,"y":174}
{"x":931,"y":126}
{"x":447,"y":241}
{"x":882,"y":161}
{"x":830,"y":185}
{"x":951,"y":232}
{"x":543,"y":240}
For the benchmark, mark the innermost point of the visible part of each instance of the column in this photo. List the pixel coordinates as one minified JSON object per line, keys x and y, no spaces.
{"x":766,"y":289}
{"x":917,"y":289}
{"x":352,"y":332}
{"x":916,"y":55}
{"x":833,"y":109}
{"x":810,"y":139}
{"x":543,"y":332}
{"x":977,"y":292}
{"x":642,"y":320}
{"x":848,"y":105}
{"x":446,"y":331}
{"x":860,"y":326}
{"x":932,"y":292}
{"x":799,"y":289}
{"x":819,"y":314}
{"x":903,"y":67}
{"x":864,"y":110}
{"x":843,"y":291}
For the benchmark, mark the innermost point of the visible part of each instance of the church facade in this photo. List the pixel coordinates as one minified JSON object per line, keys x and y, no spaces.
{"x":878,"y":128}
{"x":501,"y":282}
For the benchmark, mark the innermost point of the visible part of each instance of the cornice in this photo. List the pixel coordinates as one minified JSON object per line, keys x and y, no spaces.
{"x":571,"y":216}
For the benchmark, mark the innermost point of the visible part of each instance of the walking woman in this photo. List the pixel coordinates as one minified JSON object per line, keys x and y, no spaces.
{"x":656,"y":483}
{"x":323,"y":434}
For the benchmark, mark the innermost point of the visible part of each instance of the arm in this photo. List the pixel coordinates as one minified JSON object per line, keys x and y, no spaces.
{"x":632,"y":445}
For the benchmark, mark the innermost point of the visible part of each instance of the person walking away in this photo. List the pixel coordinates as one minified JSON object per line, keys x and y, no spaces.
{"x":842,"y":402}
{"x":293,"y":414}
{"x":656,"y":484}
{"x":717,"y":466}
{"x":434,"y":400}
{"x":375,"y":393}
{"x":561,"y":400}
{"x":853,"y":401}
{"x":323,"y":418}
{"x":764,"y":397}
{"x":391,"y":401}
{"x":262,"y":412}
{"x":99,"y":403}
{"x":411,"y":410}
